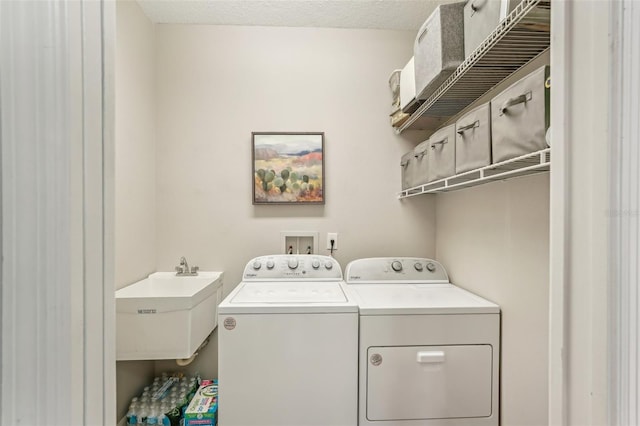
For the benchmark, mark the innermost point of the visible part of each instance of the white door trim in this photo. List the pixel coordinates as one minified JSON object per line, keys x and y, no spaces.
{"x":579,"y":257}
{"x":559,"y":210}
{"x":624,"y":214}
{"x":56,"y":139}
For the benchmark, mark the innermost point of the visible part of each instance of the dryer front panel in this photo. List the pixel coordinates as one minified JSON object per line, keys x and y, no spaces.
{"x":429,"y":382}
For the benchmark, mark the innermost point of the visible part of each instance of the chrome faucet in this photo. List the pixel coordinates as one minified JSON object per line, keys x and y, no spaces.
{"x":183,"y":269}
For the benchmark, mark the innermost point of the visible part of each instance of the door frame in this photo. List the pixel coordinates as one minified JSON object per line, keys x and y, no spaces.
{"x":57,"y":185}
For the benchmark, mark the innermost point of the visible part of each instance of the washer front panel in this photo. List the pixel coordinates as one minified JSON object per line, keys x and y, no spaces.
{"x":288,"y":345}
{"x":288,"y":370}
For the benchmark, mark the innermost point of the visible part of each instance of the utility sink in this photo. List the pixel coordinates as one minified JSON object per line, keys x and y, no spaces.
{"x":165,"y":316}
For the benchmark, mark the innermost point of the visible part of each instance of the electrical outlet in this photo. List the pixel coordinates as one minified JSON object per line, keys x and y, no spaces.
{"x":332,"y":236}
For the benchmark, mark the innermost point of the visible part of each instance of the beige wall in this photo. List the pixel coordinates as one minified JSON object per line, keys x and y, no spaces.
{"x":494,"y":241}
{"x":135,"y":171}
{"x":216,"y":85}
{"x":135,"y":241}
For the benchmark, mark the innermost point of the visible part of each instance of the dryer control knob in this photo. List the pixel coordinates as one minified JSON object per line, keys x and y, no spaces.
{"x":315,"y":263}
{"x":270,"y":264}
{"x":396,"y":265}
{"x":293,"y":263}
{"x":418,"y":266}
{"x":328,"y":265}
{"x":256,"y":265}
{"x":431,"y":267}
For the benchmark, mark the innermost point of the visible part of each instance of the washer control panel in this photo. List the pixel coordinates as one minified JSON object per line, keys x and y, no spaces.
{"x":294,"y":267}
{"x":396,"y":269}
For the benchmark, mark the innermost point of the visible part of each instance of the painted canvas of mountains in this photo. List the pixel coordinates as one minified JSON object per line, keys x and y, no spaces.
{"x":288,"y":168}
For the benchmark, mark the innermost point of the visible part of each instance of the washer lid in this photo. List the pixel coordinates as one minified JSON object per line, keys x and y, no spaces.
{"x":288,"y":292}
{"x":406,"y":299}
{"x":288,"y":297}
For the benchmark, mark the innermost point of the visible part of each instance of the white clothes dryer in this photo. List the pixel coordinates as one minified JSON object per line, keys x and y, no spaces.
{"x":429,"y":351}
{"x":288,"y":345}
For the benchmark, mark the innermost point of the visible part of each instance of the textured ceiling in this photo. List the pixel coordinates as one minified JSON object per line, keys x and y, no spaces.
{"x":373,"y":14}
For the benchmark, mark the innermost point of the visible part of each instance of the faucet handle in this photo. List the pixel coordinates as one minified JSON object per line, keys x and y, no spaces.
{"x":195,"y":269}
{"x":179,"y":269}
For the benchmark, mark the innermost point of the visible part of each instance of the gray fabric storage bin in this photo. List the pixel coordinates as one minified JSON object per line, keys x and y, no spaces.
{"x":520,"y":117}
{"x":439,"y":48}
{"x":481,"y":17}
{"x":414,"y":165}
{"x":407,"y":164}
{"x":473,"y":139}
{"x":442,"y":153}
{"x":421,"y":159}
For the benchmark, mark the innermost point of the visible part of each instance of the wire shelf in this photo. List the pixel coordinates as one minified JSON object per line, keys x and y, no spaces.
{"x":534,"y":162}
{"x":519,"y":38}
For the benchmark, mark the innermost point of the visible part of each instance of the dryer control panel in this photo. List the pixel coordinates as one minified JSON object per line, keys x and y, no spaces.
{"x":395,"y":269}
{"x":295,"y":267}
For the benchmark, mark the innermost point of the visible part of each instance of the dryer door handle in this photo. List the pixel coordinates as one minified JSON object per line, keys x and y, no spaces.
{"x":430,"y":357}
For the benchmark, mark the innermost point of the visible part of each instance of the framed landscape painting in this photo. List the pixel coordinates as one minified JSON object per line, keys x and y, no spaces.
{"x":288,"y":168}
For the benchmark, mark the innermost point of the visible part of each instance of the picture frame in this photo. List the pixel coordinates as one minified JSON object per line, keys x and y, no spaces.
{"x":288,"y":167}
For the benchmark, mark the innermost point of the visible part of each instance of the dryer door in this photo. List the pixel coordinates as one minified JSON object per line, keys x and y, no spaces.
{"x":429,"y":382}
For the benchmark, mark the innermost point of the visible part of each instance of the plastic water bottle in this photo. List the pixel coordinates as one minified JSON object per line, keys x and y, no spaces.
{"x":142,"y":414}
{"x":164,"y":407}
{"x":132,"y":417}
{"x":152,"y":420}
{"x":132,"y":412}
{"x":163,"y":420}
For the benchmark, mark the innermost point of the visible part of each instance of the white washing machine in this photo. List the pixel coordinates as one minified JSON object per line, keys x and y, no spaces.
{"x":288,"y":345}
{"x":429,"y":351}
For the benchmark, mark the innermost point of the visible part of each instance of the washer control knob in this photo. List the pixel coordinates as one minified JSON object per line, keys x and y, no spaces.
{"x":418,"y":266}
{"x":396,"y":265}
{"x":315,"y":263}
{"x":256,"y":265}
{"x":293,"y":263}
{"x":328,"y":265}
{"x":431,"y":267}
{"x":270,"y":264}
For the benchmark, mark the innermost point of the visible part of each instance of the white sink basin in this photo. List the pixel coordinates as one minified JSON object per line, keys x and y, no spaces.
{"x":165,"y":316}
